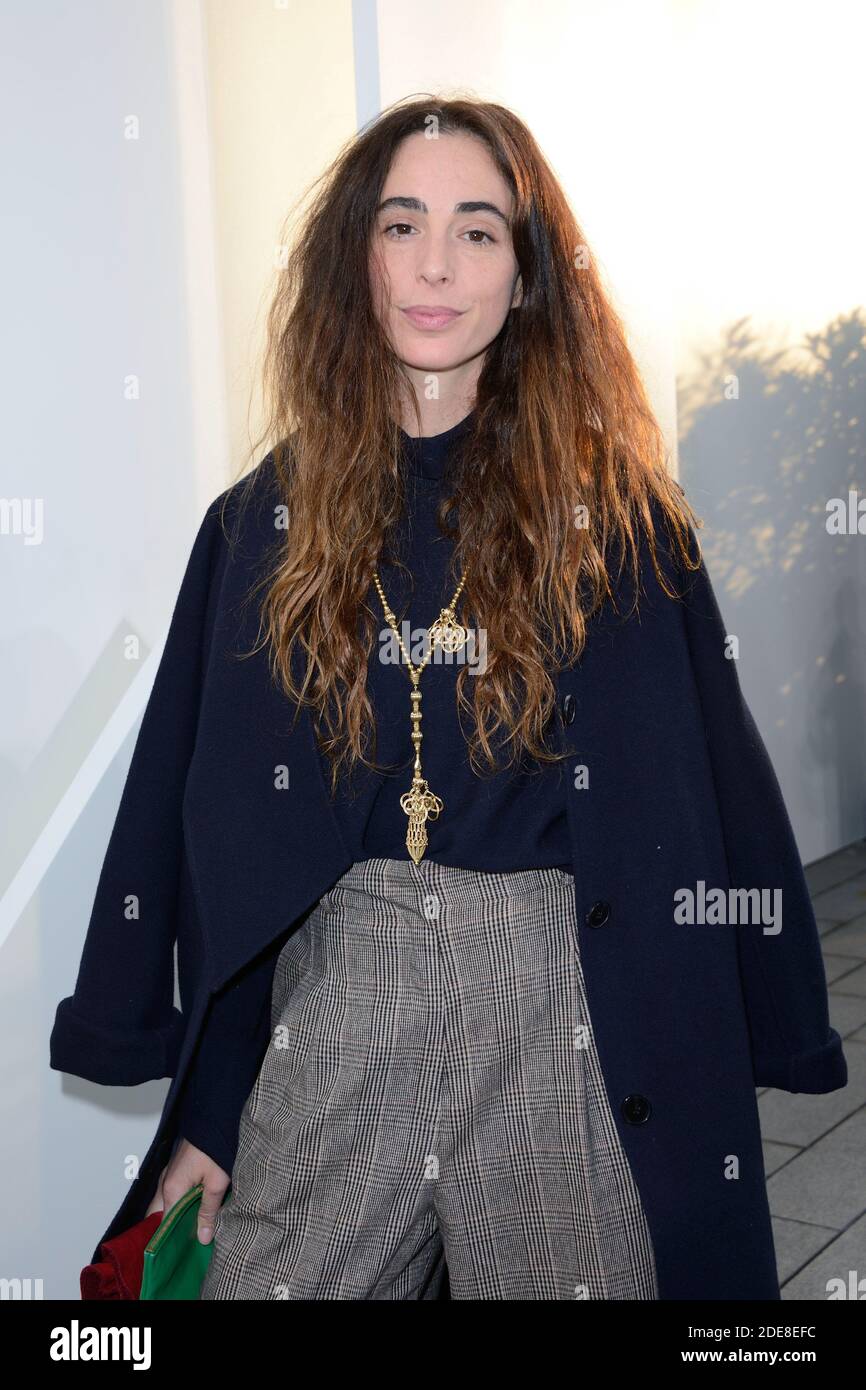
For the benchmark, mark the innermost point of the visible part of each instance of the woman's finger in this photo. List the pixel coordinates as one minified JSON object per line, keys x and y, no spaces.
{"x":211,"y":1201}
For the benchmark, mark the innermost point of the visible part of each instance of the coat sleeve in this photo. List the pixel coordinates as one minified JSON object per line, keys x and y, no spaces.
{"x":120,"y":1026}
{"x":783,"y":980}
{"x":233,"y":1041}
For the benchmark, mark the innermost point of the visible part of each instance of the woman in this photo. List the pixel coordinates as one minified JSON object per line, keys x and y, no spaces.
{"x":456,"y":1023}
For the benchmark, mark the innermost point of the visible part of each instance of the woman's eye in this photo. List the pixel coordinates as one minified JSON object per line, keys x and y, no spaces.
{"x":476,"y":231}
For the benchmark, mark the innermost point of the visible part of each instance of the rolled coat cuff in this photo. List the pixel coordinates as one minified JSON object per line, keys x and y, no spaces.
{"x":113,"y":1056}
{"x":814,"y":1072}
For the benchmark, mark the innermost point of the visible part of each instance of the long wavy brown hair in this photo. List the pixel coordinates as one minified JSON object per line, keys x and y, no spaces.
{"x":561,"y":421}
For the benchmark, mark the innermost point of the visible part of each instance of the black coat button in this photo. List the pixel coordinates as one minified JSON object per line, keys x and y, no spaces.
{"x":568,"y":709}
{"x":636,"y":1109}
{"x":598,"y":914}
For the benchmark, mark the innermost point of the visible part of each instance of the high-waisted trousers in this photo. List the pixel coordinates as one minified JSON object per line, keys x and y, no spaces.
{"x":431,"y":1096}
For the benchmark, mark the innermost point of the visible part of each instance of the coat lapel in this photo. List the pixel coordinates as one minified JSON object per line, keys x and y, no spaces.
{"x":261,"y":836}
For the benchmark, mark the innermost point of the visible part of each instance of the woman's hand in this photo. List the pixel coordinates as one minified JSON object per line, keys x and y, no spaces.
{"x":186,"y":1167}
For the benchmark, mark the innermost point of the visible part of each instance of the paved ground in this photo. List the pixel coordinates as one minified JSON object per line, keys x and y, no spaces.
{"x":815,"y":1146}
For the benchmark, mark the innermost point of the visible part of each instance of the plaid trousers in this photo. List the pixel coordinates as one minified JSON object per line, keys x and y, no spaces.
{"x":432,"y":1094}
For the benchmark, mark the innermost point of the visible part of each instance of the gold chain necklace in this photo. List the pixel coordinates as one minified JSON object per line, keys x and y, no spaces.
{"x":419,"y":802}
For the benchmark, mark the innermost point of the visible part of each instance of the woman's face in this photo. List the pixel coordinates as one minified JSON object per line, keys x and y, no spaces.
{"x":435,"y":247}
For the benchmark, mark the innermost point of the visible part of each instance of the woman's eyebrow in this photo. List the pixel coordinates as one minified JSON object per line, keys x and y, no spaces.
{"x":416,"y":205}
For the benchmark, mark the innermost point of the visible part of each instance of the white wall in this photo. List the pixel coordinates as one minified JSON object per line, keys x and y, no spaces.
{"x":94,"y":292}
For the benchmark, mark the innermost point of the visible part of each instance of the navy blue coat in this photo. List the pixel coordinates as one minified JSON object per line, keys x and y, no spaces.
{"x":688,"y":1019}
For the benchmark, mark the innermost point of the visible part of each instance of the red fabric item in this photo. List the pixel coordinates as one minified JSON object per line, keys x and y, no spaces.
{"x":117,"y":1274}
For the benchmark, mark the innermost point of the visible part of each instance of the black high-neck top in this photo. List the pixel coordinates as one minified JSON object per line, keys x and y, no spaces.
{"x":507,"y":821}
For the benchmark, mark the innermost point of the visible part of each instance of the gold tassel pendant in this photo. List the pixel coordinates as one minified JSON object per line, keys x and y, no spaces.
{"x":419,"y":805}
{"x":418,"y":802}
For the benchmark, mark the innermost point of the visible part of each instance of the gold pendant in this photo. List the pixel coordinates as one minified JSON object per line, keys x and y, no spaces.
{"x":449,"y":635}
{"x":420,"y":804}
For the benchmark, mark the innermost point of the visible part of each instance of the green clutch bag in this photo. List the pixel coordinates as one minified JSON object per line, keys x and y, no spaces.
{"x":175,"y":1261}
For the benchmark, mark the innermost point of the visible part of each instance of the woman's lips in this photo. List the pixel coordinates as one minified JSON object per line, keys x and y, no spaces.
{"x":432,"y":318}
